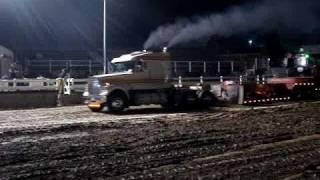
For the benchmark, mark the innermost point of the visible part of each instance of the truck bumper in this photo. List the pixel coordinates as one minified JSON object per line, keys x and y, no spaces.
{"x":95,"y":105}
{"x":96,"y":102}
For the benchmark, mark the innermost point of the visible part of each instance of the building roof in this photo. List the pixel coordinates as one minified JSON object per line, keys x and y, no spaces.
{"x":5,"y":51}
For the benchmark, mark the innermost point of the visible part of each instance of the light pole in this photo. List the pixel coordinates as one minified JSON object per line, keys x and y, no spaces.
{"x":105,"y":63}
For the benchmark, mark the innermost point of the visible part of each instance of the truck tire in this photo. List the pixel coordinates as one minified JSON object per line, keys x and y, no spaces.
{"x":170,"y":104}
{"x":207,"y":99}
{"x":297,"y":94}
{"x":117,"y":102}
{"x":188,"y":100}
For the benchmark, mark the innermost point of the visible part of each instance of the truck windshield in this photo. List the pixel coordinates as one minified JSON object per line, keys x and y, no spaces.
{"x":122,"y":67}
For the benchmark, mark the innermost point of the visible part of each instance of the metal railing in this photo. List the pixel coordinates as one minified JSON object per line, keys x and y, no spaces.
{"x":242,"y":79}
{"x":87,"y":66}
{"x":42,"y":85}
{"x":213,"y":68}
{"x":75,"y":85}
{"x":27,"y":85}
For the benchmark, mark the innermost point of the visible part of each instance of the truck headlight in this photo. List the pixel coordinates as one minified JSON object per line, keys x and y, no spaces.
{"x":302,"y":61}
{"x":96,"y":83}
{"x":300,"y":69}
{"x":85,"y":94}
{"x":107,"y":85}
{"x":104,"y":93}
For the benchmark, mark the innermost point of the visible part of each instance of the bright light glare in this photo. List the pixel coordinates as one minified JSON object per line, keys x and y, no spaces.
{"x":307,"y":56}
{"x":302,"y":61}
{"x":300,"y":69}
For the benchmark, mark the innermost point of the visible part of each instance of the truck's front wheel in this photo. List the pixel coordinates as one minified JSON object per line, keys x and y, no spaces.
{"x":117,"y":102}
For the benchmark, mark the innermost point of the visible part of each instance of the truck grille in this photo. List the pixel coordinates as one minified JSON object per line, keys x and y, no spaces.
{"x":94,"y":87}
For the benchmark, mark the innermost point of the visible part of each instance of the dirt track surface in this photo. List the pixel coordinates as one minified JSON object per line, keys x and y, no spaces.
{"x":73,"y":143}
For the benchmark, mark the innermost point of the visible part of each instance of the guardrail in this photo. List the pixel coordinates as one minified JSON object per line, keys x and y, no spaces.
{"x":41,"y":85}
{"x":27,"y":85}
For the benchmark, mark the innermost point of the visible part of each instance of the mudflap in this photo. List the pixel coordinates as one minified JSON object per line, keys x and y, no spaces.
{"x":259,"y":94}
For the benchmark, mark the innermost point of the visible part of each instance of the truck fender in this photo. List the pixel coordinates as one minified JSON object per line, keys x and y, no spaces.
{"x":122,"y":90}
{"x":119,"y":92}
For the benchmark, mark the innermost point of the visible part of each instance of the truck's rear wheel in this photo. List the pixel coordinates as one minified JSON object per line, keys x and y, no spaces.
{"x":170,"y":104}
{"x":297,"y":94}
{"x":207,"y":99}
{"x":188,"y":99}
{"x":117,"y":102}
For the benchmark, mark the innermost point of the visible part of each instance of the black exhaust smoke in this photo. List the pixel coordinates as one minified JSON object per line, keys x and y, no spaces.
{"x":295,"y":16}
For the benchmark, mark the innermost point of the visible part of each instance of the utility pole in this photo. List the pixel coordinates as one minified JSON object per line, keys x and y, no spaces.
{"x":105,"y":63}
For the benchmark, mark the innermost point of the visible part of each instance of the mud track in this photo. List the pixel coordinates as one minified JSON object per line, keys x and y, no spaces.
{"x":73,"y":143}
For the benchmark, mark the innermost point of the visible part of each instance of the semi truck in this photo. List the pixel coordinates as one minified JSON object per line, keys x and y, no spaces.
{"x":144,"y":78}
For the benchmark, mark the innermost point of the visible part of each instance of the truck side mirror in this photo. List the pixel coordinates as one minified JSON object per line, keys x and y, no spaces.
{"x":138,"y":66}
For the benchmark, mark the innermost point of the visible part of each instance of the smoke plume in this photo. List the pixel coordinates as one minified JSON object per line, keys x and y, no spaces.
{"x":283,"y":15}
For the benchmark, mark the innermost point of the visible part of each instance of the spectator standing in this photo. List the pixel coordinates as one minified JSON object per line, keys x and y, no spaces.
{"x":60,"y":85}
{"x":13,"y":71}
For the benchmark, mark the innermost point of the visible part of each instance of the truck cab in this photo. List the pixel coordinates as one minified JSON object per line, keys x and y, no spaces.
{"x":135,"y":79}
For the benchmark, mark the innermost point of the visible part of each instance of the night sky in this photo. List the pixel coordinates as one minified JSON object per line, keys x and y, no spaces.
{"x":77,"y":24}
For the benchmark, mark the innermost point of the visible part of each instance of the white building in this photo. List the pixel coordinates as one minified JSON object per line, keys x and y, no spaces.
{"x":6,"y":58}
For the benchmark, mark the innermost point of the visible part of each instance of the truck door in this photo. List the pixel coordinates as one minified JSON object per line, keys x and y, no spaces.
{"x":157,"y":71}
{"x":140,"y":71}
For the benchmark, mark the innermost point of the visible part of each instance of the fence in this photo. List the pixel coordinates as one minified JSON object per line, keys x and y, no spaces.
{"x":41,"y":85}
{"x":79,"y":68}
{"x":27,"y":85}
